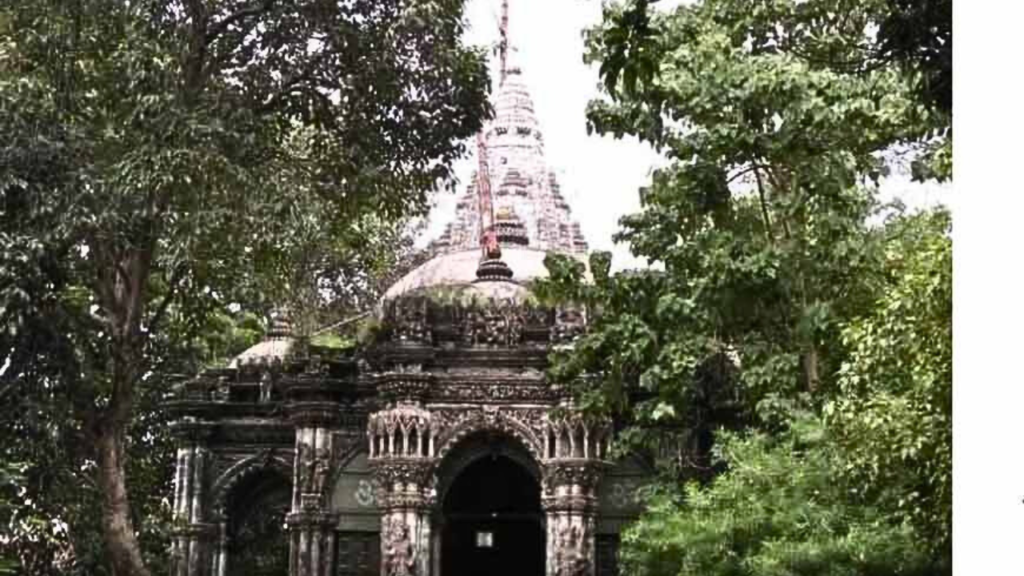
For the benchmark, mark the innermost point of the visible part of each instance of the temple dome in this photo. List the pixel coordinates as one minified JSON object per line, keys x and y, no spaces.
{"x":457,"y":271}
{"x":276,"y":345}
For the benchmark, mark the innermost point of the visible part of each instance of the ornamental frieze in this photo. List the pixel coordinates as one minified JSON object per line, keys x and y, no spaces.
{"x":491,"y":322}
{"x":406,"y":321}
{"x":405,"y":384}
{"x":509,"y":391}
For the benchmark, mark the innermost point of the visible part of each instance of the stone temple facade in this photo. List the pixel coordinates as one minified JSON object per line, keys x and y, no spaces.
{"x":436,"y":449}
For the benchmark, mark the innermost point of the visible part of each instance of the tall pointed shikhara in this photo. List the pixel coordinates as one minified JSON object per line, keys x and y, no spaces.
{"x":521,"y":193}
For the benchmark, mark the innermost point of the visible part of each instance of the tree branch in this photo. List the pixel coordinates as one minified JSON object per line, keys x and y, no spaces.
{"x":294,"y":82}
{"x":764,"y":205}
{"x":219,"y":28}
{"x":172,"y":288}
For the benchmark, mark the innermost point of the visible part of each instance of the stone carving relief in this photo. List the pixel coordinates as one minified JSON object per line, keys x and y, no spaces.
{"x":266,"y":386}
{"x":499,"y":323}
{"x":510,"y":391}
{"x":572,"y":435}
{"x":407,"y":321}
{"x":624,"y":493}
{"x":365,"y":495}
{"x":402,"y":431}
{"x":399,"y":554}
{"x":490,"y":322}
{"x":314,"y":468}
{"x":572,"y":551}
{"x":318,"y":468}
{"x":583,"y":474}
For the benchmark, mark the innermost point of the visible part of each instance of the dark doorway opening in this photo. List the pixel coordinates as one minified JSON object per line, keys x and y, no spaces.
{"x":258,"y":540}
{"x":493,"y":521}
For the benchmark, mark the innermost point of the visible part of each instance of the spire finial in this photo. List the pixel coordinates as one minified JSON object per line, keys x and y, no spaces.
{"x":503,"y":41}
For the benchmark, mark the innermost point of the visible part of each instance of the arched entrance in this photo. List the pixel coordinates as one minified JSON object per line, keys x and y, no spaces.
{"x":491,"y":519}
{"x":257,"y":541}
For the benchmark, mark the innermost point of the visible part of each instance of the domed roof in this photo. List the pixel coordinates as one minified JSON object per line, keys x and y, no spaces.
{"x":275,"y":346}
{"x":457,"y":270}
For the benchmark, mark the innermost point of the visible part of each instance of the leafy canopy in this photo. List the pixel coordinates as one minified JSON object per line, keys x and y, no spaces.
{"x":165,"y":159}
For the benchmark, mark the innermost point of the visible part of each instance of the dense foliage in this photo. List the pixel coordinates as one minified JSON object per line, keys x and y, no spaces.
{"x":893,"y":417}
{"x":780,"y":510}
{"x":782,"y":286}
{"x":164,"y":162}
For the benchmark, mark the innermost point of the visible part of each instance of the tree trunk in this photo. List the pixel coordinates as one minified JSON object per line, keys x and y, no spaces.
{"x":811,"y":369}
{"x":122,"y":290}
{"x":118,"y":532}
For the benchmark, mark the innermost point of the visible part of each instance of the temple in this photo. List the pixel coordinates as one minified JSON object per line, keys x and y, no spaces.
{"x":435,"y":448}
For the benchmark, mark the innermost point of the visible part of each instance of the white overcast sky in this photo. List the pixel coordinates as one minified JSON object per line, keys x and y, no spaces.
{"x":599,"y":175}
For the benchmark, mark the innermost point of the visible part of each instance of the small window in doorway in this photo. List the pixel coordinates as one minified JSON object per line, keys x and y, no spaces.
{"x":485,"y":539}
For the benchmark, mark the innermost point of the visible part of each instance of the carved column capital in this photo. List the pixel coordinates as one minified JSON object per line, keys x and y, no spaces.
{"x":311,"y":520}
{"x":584,"y":473}
{"x":571,"y":484}
{"x":404,"y":483}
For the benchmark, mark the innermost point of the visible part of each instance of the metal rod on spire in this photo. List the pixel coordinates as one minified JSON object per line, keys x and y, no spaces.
{"x":488,"y":237}
{"x":503,"y":42}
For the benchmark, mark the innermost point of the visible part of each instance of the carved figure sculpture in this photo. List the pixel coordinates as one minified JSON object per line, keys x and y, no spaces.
{"x":266,"y":386}
{"x":401,"y":556}
{"x":307,"y":463}
{"x":571,"y":558}
{"x":321,"y":467}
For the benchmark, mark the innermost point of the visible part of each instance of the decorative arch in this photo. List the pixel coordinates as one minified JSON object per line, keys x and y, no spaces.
{"x":481,"y":444}
{"x":251,"y":500}
{"x":491,"y":421}
{"x":264,"y":461}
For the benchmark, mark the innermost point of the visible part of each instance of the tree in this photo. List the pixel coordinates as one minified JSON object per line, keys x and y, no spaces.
{"x":919,"y":34}
{"x":778,"y":118}
{"x":759,"y":220}
{"x":155,"y":149}
{"x":893,"y":419}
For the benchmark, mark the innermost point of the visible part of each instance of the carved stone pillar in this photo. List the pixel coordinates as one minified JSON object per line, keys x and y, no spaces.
{"x":220,"y":556}
{"x":403,"y":458}
{"x":406,"y":500}
{"x":193,"y":535}
{"x":312,"y":542}
{"x":570,"y":505}
{"x":574,"y":463}
{"x":310,"y":523}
